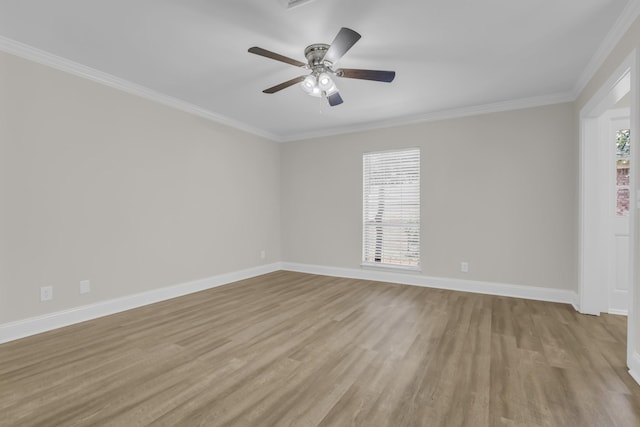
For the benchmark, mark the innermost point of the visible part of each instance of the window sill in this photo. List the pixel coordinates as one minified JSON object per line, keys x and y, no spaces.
{"x":390,"y":267}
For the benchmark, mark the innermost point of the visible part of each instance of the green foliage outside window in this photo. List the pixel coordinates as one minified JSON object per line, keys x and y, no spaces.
{"x":622,"y":143}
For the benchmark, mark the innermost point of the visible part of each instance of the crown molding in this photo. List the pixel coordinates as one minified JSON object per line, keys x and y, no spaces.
{"x":623,"y":23}
{"x":31,"y":53}
{"x":42,"y":57}
{"x":496,"y":107}
{"x":629,"y":14}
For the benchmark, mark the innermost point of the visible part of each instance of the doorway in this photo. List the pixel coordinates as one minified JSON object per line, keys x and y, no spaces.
{"x":608,"y":242}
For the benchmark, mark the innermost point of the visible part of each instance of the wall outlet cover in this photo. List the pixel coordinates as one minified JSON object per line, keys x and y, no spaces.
{"x":85,"y":286}
{"x":46,"y":293}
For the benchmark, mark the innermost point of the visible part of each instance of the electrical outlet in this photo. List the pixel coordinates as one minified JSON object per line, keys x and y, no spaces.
{"x":46,"y":293}
{"x":464,"y":267}
{"x":85,"y":286}
{"x":263,"y":254}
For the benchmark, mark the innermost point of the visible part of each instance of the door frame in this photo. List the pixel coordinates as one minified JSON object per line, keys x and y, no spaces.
{"x":615,"y":119}
{"x":592,"y":239}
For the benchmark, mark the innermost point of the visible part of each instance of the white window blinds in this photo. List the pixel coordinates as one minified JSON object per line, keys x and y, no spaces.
{"x":391,"y":208}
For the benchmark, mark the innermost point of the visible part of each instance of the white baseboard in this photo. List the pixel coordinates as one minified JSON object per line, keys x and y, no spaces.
{"x":35,"y":325}
{"x":416,"y":279}
{"x":619,"y":312}
{"x":634,"y":367}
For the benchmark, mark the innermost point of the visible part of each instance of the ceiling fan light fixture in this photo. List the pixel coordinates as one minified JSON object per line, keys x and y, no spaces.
{"x":316,"y":92}
{"x":324,"y":81}
{"x":309,"y":84}
{"x":321,"y":58}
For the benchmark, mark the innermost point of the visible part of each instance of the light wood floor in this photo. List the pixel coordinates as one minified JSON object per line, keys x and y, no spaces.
{"x":290,"y":349}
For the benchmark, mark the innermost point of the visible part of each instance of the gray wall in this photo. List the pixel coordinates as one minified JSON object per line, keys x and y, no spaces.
{"x":498,"y":191}
{"x":101,"y":185}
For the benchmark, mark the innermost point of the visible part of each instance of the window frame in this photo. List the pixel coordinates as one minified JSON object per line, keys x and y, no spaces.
{"x":407,"y":211}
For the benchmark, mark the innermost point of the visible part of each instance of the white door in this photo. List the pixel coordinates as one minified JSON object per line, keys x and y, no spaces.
{"x":618,"y":210}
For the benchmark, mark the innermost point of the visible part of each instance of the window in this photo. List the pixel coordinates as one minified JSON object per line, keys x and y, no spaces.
{"x":623,"y":156}
{"x":391,"y":208}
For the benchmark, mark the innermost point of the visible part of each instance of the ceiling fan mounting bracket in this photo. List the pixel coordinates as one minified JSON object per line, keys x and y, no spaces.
{"x":315,"y":56}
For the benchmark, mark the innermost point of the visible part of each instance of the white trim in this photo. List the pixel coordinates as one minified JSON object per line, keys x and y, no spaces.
{"x":497,"y":107}
{"x":625,"y":78}
{"x":621,"y":26}
{"x":616,"y":86}
{"x":634,"y":228}
{"x":618,"y":312}
{"x":35,"y":325}
{"x":591,"y":239}
{"x":499,"y":289}
{"x":623,"y":23}
{"x":30,"y":53}
{"x":634,"y":367}
{"x":391,"y":267}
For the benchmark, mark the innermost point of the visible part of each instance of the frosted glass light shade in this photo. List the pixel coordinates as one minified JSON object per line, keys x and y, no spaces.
{"x":309,"y":84}
{"x":324,"y":81}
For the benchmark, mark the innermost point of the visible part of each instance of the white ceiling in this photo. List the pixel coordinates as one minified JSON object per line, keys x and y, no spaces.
{"x":449,"y":55}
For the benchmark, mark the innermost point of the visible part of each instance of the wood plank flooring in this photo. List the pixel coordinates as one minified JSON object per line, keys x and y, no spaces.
{"x":291,"y":349}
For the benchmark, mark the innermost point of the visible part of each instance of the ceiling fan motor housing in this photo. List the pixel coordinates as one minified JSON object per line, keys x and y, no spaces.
{"x":315,"y":57}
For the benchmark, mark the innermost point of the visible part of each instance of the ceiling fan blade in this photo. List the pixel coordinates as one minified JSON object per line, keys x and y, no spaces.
{"x":345,"y":39}
{"x":268,"y":54}
{"x":284,"y":85}
{"x":376,"y":75}
{"x":334,"y":99}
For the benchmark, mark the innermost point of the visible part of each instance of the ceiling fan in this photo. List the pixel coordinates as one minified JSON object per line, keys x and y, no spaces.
{"x":321,"y":59}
